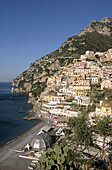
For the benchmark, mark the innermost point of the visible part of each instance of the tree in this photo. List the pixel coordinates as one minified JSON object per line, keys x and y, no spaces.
{"x":103,"y":127}
{"x":82,"y":129}
{"x":40,"y":69}
{"x":62,"y":158}
{"x":84,"y":132}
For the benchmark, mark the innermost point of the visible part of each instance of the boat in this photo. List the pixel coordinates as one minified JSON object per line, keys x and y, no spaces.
{"x":30,"y":167}
{"x":35,"y":161}
{"x":29,"y":157}
{"x":22,"y":111}
{"x":19,"y":150}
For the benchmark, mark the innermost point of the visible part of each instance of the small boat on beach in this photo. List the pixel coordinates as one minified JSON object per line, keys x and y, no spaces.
{"x":35,"y":161}
{"x":30,"y":167}
{"x":19,"y":150}
{"x":29,"y":157}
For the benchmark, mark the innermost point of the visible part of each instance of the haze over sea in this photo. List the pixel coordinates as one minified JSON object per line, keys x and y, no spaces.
{"x":12,"y":123}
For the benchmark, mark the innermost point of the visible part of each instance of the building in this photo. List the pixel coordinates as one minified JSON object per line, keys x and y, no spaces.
{"x":105,"y":109}
{"x":65,"y":91}
{"x":107,"y":84}
{"x":94,"y":80}
{"x":89,"y":53}
{"x":41,"y":142}
{"x":63,"y":112}
{"x":82,"y":100}
{"x":82,"y":70}
{"x":56,"y":99}
{"x":81,"y":90}
{"x":81,"y":82}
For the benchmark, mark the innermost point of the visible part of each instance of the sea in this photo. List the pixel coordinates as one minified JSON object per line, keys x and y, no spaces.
{"x":12,"y":123}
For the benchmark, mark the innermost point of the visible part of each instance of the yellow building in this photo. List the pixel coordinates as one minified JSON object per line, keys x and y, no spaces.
{"x":106,"y":107}
{"x":45,"y":98}
{"x":81,"y":90}
{"x":104,"y":110}
{"x":82,"y":82}
{"x":81,"y":76}
{"x":106,"y":84}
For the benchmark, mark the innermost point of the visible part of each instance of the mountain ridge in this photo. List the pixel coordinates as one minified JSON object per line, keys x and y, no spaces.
{"x":104,"y":26}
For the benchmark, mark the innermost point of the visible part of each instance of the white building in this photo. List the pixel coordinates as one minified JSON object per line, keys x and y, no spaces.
{"x":94,"y":80}
{"x":89,"y":53}
{"x":56,"y":99}
{"x":82,"y":100}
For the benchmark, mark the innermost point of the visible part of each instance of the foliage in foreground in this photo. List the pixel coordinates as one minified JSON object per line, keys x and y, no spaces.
{"x":67,"y":156}
{"x":84,"y":132}
{"x":63,"y":158}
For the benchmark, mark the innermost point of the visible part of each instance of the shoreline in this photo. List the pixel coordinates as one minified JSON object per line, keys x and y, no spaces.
{"x":8,"y":158}
{"x":15,"y":138}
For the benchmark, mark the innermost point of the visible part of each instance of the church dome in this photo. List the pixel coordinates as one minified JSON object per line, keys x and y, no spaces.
{"x":106,"y":103}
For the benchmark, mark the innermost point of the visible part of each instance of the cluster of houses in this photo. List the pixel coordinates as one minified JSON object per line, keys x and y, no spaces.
{"x":71,"y":86}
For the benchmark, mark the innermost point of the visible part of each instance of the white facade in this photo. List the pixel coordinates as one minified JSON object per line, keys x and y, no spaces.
{"x":82,"y":100}
{"x":94,"y":80}
{"x":82,"y":70}
{"x":63,"y":112}
{"x":89,"y":53}
{"x":56,"y":99}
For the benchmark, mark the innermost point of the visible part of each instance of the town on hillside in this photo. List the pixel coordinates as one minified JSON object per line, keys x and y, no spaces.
{"x":83,"y":84}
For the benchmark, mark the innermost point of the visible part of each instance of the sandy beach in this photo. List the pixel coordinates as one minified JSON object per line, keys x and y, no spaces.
{"x":9,"y":160}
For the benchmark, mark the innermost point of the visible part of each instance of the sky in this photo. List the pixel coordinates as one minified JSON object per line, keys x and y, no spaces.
{"x":30,"y":29}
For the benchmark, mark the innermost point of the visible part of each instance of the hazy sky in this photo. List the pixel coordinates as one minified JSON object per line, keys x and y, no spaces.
{"x":30,"y":29}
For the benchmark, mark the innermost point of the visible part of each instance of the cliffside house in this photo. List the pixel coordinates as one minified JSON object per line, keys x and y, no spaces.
{"x":105,"y":109}
{"x":82,"y":100}
{"x":107,"y":84}
{"x":82,"y":90}
{"x":82,"y":87}
{"x":94,"y":80}
{"x":56,"y":99}
{"x":63,"y":112}
{"x":82,"y":82}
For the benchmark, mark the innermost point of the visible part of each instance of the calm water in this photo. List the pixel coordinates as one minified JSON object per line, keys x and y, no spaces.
{"x":12,"y":123}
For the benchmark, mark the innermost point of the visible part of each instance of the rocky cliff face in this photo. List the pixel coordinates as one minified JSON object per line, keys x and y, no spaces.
{"x":97,"y":36}
{"x":104,"y":27}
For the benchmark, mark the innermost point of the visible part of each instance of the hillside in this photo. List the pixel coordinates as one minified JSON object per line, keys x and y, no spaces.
{"x":97,"y":36}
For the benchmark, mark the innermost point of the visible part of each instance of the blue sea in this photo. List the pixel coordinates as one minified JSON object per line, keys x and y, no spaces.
{"x":12,"y":123}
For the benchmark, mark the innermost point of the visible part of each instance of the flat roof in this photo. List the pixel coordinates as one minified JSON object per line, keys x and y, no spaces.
{"x":46,"y":128}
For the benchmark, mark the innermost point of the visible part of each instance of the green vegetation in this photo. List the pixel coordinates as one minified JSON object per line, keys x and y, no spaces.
{"x":108,"y":92}
{"x":40,"y":69}
{"x":97,"y":95}
{"x":54,"y":54}
{"x":62,"y":158}
{"x":102,"y":44}
{"x":70,"y":60}
{"x":66,"y":155}
{"x":58,"y":158}
{"x":47,"y":70}
{"x":21,"y":84}
{"x":84,"y":132}
{"x":38,"y":88}
{"x":24,"y":73}
{"x":62,"y":62}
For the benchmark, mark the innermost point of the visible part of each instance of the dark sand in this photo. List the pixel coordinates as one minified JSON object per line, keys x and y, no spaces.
{"x":9,"y":160}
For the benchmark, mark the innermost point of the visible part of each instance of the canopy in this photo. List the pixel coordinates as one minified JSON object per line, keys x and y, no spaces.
{"x":41,"y":142}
